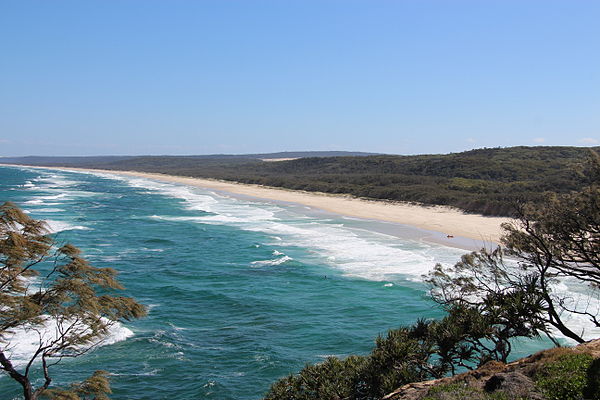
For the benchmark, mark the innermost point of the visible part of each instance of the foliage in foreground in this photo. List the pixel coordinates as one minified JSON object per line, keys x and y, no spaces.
{"x":551,"y":375}
{"x":393,"y":362}
{"x":460,"y":391}
{"x":49,"y":292}
{"x":465,"y":339}
{"x":400,"y":358}
{"x":570,"y":377}
{"x":489,"y":303}
{"x":560,"y":240}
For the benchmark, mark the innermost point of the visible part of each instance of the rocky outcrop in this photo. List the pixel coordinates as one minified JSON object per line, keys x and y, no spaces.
{"x":515,"y":378}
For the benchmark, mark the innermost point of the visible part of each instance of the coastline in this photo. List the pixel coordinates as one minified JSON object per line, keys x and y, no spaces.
{"x":439,"y":220}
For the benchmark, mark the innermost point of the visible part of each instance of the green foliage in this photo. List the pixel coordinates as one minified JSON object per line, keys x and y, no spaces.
{"x":460,"y":391}
{"x":549,"y":242}
{"x":565,"y":378}
{"x":592,"y":389}
{"x":96,"y":387}
{"x":80,"y":301}
{"x":487,"y":307}
{"x":396,"y":359}
{"x":425,"y":350}
{"x":332,"y":379}
{"x":487,"y":181}
{"x":488,"y":304}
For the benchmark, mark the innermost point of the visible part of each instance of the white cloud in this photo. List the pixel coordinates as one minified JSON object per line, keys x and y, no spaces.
{"x":589,"y":140}
{"x":471,"y":140}
{"x":4,"y":141}
{"x":539,"y":140}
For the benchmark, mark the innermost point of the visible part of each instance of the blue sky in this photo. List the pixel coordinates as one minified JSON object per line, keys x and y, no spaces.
{"x":243,"y":76}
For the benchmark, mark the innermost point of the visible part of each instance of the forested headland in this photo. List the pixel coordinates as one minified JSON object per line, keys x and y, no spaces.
{"x":488,"y":181}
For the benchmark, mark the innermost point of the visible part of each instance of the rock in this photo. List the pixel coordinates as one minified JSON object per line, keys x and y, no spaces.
{"x":513,"y":384}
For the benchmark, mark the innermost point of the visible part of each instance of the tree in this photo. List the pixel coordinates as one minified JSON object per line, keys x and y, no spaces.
{"x":547,"y":243}
{"x":397,"y":359}
{"x":487,"y":307}
{"x":43,"y":284}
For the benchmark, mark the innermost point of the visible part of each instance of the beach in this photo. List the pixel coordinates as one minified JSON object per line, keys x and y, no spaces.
{"x":243,"y":284}
{"x":241,"y":290}
{"x":445,"y":221}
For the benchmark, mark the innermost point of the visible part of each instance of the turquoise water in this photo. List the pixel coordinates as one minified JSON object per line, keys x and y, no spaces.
{"x":240,"y":292}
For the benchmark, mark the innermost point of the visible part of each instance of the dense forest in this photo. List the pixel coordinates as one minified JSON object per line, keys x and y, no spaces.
{"x":488,"y":181}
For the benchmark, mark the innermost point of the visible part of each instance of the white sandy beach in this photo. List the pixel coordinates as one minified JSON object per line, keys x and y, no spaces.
{"x":445,"y":220}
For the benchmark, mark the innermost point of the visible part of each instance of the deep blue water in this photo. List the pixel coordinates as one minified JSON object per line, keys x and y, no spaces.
{"x":240,"y":292}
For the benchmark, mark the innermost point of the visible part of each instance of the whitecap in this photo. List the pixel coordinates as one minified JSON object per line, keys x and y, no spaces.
{"x":152,"y":372}
{"x":356,"y":252}
{"x":578,"y":296}
{"x":276,"y":261}
{"x":60,"y":226}
{"x":152,"y":250}
{"x":21,"y":343}
{"x":34,"y":201}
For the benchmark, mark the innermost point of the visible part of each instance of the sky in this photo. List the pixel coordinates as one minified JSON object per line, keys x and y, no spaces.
{"x":128,"y":77}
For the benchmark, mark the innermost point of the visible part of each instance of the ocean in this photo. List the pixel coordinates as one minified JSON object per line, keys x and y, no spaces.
{"x":240,"y":292}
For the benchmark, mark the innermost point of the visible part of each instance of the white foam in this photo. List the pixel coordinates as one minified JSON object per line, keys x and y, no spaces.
{"x":568,"y":294}
{"x":276,"y":261}
{"x":581,"y":298}
{"x":152,"y":372}
{"x":60,"y":226}
{"x":49,"y":210}
{"x":357,"y":253}
{"x":35,"y":201}
{"x":53,"y":179}
{"x":21,"y":343}
{"x":152,"y":250}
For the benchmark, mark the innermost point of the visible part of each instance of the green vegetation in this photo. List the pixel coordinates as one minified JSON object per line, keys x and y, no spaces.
{"x":397,"y":359}
{"x":426,"y":350}
{"x":551,"y":242}
{"x":566,"y":378}
{"x":488,"y":303}
{"x":459,"y":391}
{"x":44,"y":285}
{"x":487,"y":181}
{"x":555,"y":198}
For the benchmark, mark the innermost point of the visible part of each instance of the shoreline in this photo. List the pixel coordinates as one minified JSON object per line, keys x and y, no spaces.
{"x":439,"y":220}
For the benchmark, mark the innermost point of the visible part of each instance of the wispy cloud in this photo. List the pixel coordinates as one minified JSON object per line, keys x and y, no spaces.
{"x":588,"y":140}
{"x":471,"y":140}
{"x":539,"y":140}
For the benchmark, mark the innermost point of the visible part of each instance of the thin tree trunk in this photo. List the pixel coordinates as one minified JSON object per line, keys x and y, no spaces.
{"x":22,"y":379}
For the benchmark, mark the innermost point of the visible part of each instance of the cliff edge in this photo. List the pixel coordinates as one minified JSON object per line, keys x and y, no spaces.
{"x":558,"y":373}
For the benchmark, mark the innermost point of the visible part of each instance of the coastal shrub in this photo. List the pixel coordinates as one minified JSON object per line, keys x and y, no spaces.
{"x":397,"y":359}
{"x":464,"y":339}
{"x":592,"y":389}
{"x":488,"y":303}
{"x":546,"y":244}
{"x":565,"y":378}
{"x":331,"y":379}
{"x":461,"y":391}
